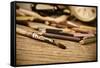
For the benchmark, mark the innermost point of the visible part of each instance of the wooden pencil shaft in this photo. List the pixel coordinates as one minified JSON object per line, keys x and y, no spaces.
{"x":71,"y":24}
{"x":83,"y":35}
{"x":18,"y":13}
{"x":81,"y":30}
{"x":23,"y":32}
{"x":61,"y":37}
{"x":25,"y":18}
{"x":88,"y":27}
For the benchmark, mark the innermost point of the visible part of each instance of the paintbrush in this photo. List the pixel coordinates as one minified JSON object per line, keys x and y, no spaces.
{"x":39,"y":37}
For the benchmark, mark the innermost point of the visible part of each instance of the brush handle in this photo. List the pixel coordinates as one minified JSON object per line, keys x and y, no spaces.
{"x":61,"y":37}
{"x":39,"y":37}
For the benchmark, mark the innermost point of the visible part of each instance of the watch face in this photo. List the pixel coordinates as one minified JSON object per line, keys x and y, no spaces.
{"x":46,"y":33}
{"x":84,"y":13}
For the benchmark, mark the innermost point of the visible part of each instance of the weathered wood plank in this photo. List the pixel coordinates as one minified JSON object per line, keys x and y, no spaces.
{"x":30,"y":51}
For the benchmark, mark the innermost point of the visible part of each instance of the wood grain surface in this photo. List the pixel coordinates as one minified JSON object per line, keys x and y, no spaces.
{"x":30,"y":51}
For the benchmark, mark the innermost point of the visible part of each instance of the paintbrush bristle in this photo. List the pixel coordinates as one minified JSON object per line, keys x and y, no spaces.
{"x":61,"y":46}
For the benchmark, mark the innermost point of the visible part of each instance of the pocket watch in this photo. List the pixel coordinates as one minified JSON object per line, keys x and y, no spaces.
{"x":85,"y":14}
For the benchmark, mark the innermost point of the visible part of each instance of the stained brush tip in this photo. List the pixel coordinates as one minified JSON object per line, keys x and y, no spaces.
{"x":61,"y":46}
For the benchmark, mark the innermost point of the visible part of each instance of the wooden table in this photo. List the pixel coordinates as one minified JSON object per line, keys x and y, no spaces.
{"x":30,"y":51}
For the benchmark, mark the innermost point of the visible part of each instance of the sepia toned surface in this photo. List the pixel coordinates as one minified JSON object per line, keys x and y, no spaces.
{"x":30,"y":51}
{"x":76,"y":19}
